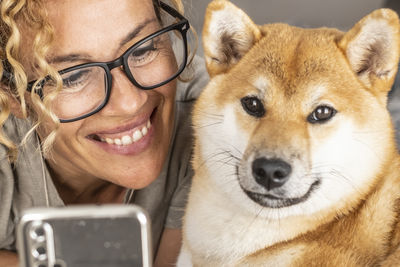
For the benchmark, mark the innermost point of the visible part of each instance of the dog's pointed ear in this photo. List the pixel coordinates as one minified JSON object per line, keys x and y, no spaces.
{"x":228,"y":33}
{"x":372,"y":48}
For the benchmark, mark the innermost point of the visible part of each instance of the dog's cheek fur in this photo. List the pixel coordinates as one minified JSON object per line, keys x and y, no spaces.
{"x":221,"y":142}
{"x":335,"y":158}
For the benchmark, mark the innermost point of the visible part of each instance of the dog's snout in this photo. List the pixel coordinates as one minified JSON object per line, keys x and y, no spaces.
{"x":271,"y":173}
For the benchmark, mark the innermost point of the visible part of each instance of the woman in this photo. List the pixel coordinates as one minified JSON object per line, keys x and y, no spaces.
{"x":104,"y":128}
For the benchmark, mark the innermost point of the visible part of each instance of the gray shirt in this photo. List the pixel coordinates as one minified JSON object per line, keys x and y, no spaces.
{"x":22,"y":184}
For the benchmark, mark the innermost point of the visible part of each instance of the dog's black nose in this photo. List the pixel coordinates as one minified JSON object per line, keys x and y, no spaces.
{"x":271,"y":173}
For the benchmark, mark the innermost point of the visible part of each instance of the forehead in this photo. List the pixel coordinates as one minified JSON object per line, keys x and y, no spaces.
{"x":95,"y":25}
{"x":289,"y":57}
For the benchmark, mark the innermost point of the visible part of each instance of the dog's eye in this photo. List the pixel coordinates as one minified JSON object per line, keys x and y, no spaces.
{"x":253,"y":106}
{"x":321,"y":114}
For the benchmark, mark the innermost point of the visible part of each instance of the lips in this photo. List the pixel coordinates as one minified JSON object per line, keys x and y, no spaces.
{"x":268,"y":200}
{"x":125,"y":135}
{"x":128,"y":138}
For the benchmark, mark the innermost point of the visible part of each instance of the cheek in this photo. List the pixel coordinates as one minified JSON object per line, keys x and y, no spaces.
{"x":165,"y":113}
{"x":220,"y":130}
{"x":167,"y":94}
{"x":168,"y":91}
{"x":66,"y":132}
{"x":221,"y":142}
{"x":68,"y":137}
{"x":338,"y":156}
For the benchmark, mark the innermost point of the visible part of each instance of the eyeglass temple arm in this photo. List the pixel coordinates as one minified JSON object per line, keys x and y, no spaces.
{"x":171,"y":11}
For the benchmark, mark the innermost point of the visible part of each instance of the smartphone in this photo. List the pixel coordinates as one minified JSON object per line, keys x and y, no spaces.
{"x":85,"y":236}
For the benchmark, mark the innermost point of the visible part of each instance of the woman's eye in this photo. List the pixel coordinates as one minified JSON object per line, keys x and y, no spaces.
{"x":143,"y":54}
{"x":75,"y":78}
{"x":253,"y":106}
{"x":321,"y":114}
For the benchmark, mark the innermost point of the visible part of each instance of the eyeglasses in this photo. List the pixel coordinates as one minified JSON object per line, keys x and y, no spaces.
{"x":150,"y":63}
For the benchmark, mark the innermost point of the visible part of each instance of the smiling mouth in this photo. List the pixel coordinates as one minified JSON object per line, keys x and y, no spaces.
{"x":125,"y":138}
{"x":271,"y":201}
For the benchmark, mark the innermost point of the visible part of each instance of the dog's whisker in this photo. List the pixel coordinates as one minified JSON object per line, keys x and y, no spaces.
{"x":368,"y":147}
{"x":211,"y":157}
{"x":348,"y":180}
{"x":369,"y":131}
{"x":332,"y":173}
{"x":237,"y":150}
{"x":245,"y":229}
{"x":206,"y":125}
{"x":279,"y":220}
{"x":228,"y":161}
{"x":208,"y":114}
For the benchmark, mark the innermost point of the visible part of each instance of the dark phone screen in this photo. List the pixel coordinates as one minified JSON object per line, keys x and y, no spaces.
{"x":98,"y":242}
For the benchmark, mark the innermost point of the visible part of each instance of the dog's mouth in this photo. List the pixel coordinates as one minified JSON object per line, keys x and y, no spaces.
{"x":270,"y":201}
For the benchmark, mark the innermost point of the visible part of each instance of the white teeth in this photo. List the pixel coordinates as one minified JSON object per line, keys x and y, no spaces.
{"x":144,"y":131}
{"x":137,"y":135}
{"x":126,"y":139}
{"x":117,"y":141}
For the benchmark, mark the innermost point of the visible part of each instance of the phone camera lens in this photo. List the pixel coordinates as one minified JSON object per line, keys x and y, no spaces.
{"x":39,"y":253}
{"x":37,"y":232}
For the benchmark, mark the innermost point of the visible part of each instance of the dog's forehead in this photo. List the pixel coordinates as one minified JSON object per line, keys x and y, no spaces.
{"x":289,"y":57}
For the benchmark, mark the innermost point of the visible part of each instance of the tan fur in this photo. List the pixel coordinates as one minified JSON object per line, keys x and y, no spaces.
{"x":351,"y":216}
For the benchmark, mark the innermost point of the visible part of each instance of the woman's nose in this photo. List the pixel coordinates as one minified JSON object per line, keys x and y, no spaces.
{"x":125,"y":98}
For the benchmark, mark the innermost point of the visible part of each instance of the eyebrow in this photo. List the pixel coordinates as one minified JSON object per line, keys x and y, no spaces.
{"x":76,"y":57}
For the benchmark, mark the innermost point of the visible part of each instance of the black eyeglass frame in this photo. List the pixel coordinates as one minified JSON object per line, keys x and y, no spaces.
{"x":183,"y":26}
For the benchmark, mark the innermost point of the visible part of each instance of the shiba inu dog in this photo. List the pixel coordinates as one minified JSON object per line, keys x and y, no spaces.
{"x":295,"y":158}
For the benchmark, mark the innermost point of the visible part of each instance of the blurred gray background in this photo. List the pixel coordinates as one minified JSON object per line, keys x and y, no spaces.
{"x":340,"y":14}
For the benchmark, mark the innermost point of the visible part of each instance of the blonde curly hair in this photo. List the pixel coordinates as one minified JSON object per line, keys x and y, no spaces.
{"x":16,"y":14}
